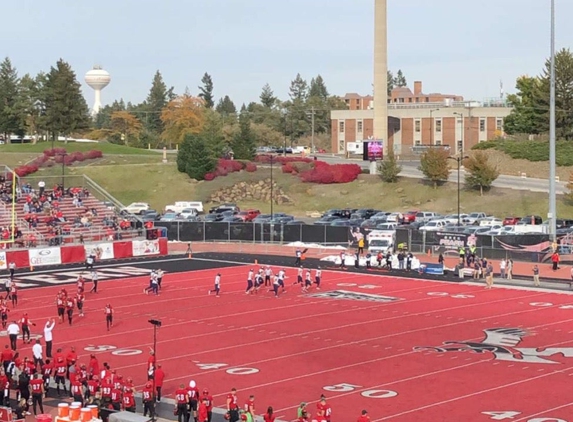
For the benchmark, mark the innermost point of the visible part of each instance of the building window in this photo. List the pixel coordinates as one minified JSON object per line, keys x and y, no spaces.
{"x":460,"y":146}
{"x":341,"y":127}
{"x":499,"y":125}
{"x":427,"y":99}
{"x":482,"y":125}
{"x":418,"y":143}
{"x":417,"y":126}
{"x":359,"y":126}
{"x":438,"y":126}
{"x":438,"y":142}
{"x":410,"y":99}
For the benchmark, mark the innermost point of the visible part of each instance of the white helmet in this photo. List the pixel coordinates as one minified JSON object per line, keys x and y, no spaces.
{"x":192,"y":384}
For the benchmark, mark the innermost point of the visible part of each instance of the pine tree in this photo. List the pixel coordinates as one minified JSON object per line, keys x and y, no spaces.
{"x":29,"y":104}
{"x":318,"y":88}
{"x":267,"y":97}
{"x":66,"y":108}
{"x":434,"y":165}
{"x":207,"y":90}
{"x":10,"y":115}
{"x":193,"y":157}
{"x":389,"y":168}
{"x":226,"y":107}
{"x":480,"y":173}
{"x":213,"y":134}
{"x":400,"y":80}
{"x":298,"y":89}
{"x":156,"y":100}
{"x":243,"y":144}
{"x":390,"y":77}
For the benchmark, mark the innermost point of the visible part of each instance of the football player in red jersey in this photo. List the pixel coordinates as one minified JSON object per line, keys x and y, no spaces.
{"x":60,"y":379}
{"x":269,"y":416}
{"x":70,"y":309}
{"x":77,"y":390}
{"x":93,"y":387}
{"x":202,"y":415}
{"x":159,"y":376}
{"x":193,"y":395}
{"x":61,"y":305}
{"x":14,"y":294}
{"x":233,"y":405}
{"x":25,"y":322}
{"x":4,"y":314}
{"x":4,"y":387}
{"x":116,"y":397}
{"x":326,"y":409}
{"x":37,"y":391}
{"x":47,"y":370}
{"x":129,"y":401}
{"x":81,"y":283}
{"x":250,"y":406}
{"x":80,"y":299}
{"x":148,"y":399}
{"x":106,"y":387}
{"x":208,"y":399}
{"x":182,"y":400}
{"x":364,"y":417}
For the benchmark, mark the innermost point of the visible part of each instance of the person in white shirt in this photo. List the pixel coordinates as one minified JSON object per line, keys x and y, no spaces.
{"x":41,"y":186}
{"x":38,"y":353}
{"x":50,"y":324}
{"x":13,"y":330}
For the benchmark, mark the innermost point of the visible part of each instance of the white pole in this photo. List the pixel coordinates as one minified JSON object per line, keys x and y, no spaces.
{"x":552,"y":215}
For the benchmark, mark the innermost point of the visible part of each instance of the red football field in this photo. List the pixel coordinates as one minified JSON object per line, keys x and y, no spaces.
{"x":510,"y":357}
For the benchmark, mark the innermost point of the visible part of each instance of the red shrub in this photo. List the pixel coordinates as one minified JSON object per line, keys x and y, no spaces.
{"x":59,"y":159}
{"x":287,"y":168}
{"x":92,"y":154}
{"x":230,"y":166}
{"x":251,"y":167}
{"x":49,"y":153}
{"x":266,"y":159}
{"x":209,"y":176}
{"x":325,"y":173}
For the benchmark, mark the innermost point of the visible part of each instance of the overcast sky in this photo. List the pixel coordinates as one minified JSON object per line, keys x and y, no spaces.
{"x":453,"y":46}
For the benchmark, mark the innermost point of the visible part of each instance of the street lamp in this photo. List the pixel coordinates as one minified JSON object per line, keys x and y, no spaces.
{"x":285,"y":113}
{"x":459,"y":158}
{"x":460,"y":148}
{"x":156,"y":324}
{"x":272,"y":188}
{"x":432,"y":125}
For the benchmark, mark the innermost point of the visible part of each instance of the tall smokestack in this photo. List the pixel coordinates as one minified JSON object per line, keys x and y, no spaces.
{"x":380,"y":72}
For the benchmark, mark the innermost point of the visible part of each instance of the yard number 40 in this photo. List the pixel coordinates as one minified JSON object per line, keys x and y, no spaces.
{"x":371,"y":394}
{"x":502,"y":415}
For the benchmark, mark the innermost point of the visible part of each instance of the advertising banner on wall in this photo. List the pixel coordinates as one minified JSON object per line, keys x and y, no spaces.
{"x":45,"y":256}
{"x":3,"y":260}
{"x":145,"y":247}
{"x":100,"y":250}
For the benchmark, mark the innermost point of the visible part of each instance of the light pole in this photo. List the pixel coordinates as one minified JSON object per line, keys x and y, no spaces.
{"x":156,"y":324}
{"x":432,"y":125}
{"x":459,"y":158}
{"x":552,"y":188}
{"x":285,"y":113}
{"x":63,"y":155}
{"x":459,"y":149}
{"x":272,"y":187}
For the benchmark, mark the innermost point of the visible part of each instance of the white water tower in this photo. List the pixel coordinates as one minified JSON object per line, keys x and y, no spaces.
{"x":97,"y":79}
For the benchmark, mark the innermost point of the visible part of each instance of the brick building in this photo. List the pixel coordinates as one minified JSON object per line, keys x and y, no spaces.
{"x":417,"y":119}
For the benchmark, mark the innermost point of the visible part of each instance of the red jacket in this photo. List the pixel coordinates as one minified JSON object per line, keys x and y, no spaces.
{"x":159,"y":377}
{"x":203,"y":416}
{"x":364,"y":418}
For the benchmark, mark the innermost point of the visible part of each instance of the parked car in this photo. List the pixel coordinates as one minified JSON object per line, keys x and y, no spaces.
{"x":213,"y":218}
{"x":490,"y":221}
{"x":188,"y":212}
{"x":531,"y":219}
{"x":326,"y":220}
{"x":453,"y":218}
{"x":232,"y":219}
{"x":168,"y":216}
{"x":510,"y":221}
{"x":295,"y":223}
{"x":179,"y":206}
{"x":371,"y":223}
{"x":563,"y":223}
{"x":224,"y":207}
{"x":151,"y":216}
{"x":262,"y":218}
{"x":410,"y":217}
{"x":249,"y":215}
{"x":434,"y":226}
{"x":136,"y":208}
{"x":364,"y":213}
{"x":341,"y":222}
{"x":425,"y":216}
{"x":472,"y":217}
{"x":387,"y":226}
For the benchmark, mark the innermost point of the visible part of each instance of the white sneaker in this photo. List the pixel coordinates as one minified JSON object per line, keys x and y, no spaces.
{"x":209,"y":292}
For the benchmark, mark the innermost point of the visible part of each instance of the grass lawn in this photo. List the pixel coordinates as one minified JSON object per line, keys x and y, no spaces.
{"x":105,"y":147}
{"x":166,"y":185}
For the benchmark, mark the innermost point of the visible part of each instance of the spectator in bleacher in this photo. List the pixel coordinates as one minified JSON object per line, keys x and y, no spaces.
{"x":41,"y":187}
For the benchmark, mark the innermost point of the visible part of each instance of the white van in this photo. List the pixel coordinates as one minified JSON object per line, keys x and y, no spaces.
{"x":179,"y":206}
{"x":381,"y":241}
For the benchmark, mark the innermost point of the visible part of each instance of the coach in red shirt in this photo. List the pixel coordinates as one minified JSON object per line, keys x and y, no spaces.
{"x":159,"y":377}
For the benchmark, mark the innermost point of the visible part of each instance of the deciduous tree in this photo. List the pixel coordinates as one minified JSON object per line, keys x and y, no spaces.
{"x":480,"y":173}
{"x":126,"y":125}
{"x":434,"y":165}
{"x":524,"y":117}
{"x":182,"y":116}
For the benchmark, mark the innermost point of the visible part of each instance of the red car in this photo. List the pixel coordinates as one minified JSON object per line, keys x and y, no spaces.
{"x":511,"y":221}
{"x":410,"y":217}
{"x":248,"y":215}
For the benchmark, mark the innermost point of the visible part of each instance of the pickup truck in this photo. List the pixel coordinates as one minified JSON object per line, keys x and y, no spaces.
{"x":179,"y":206}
